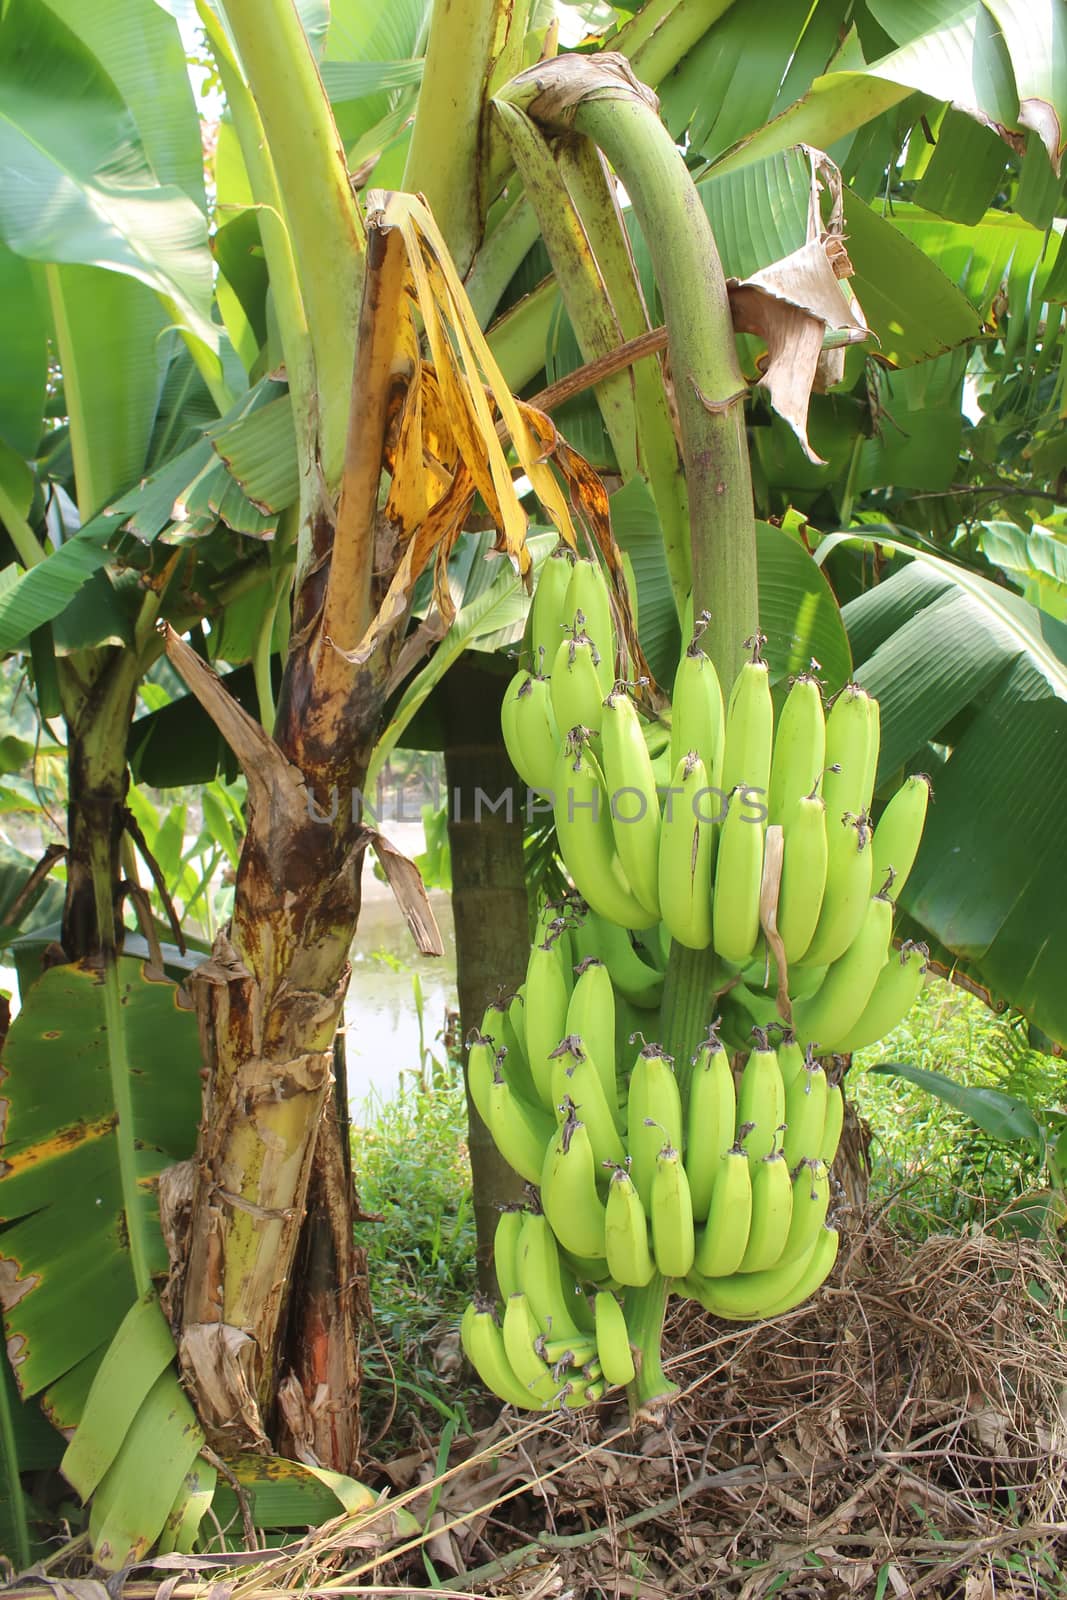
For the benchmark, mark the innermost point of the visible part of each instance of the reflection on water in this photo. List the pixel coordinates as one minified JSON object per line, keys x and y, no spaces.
{"x":381,"y":1018}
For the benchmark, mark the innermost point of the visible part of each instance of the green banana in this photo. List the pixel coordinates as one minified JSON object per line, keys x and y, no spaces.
{"x":483,"y":1343}
{"x":835,"y":1122}
{"x":517,"y":1019}
{"x":896,"y":990}
{"x":577,"y":694}
{"x":791,"y":1058}
{"x":482,"y":1056}
{"x":772,"y":1212}
{"x":574,"y":1352}
{"x":799,"y":748}
{"x":848,"y":887}
{"x":585,"y":837}
{"x":613,"y":1340}
{"x":671,"y":1212}
{"x":817,"y":1268}
{"x":720,"y":1248}
{"x":874,"y":739}
{"x":535,"y":732}
{"x":497,"y":1026}
{"x":738,"y":880}
{"x":635,"y":979}
{"x":577,"y":1082}
{"x":749,"y":727}
{"x":686,"y":852}
{"x":746,"y":1296}
{"x":591,"y":1015}
{"x":549,"y":613}
{"x":698,"y":721}
{"x":803,"y":884}
{"x":899,"y":832}
{"x":635,"y":818}
{"x":653,"y":1115}
{"x":545,"y":1011}
{"x":848,"y":741}
{"x":839,"y":1002}
{"x":506,"y":1249}
{"x":761,"y":1098}
{"x":711,"y":1106}
{"x":547,"y":1282}
{"x":521,"y":1131}
{"x":811,"y":1201}
{"x":509,"y":725}
{"x":569,"y":1195}
{"x":521,"y":1334}
{"x":587,"y":593}
{"x":626,"y":1232}
{"x":805,"y":1113}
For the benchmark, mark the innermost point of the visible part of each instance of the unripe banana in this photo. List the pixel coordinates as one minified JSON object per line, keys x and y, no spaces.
{"x":569,"y":1195}
{"x":898,"y":986}
{"x":710,"y":1114}
{"x":548,"y":613}
{"x":506,"y":1249}
{"x":874,"y":740}
{"x":585,"y":837}
{"x":577,"y":695}
{"x":805,"y":1114}
{"x":547,"y":1282}
{"x":545,"y":1014}
{"x":509,"y":724}
{"x":481,"y":1071}
{"x":626,"y":1232}
{"x":738,"y":879}
{"x":686,"y":852}
{"x":746,"y":1296}
{"x":613,"y":1340}
{"x":576,"y":1082}
{"x":811,"y":1201}
{"x":749,"y":727}
{"x":483,"y":1342}
{"x":698,"y":721}
{"x":587,"y":593}
{"x":848,"y":741}
{"x":635,"y":817}
{"x":817,"y":1268}
{"x":772,"y":1212}
{"x":591,"y":1015}
{"x":791,"y":1058}
{"x":840,"y":1000}
{"x":536,"y":733}
{"x":835,"y":1122}
{"x":521,"y":1132}
{"x":635,"y":979}
{"x":761,"y":1098}
{"x":848,"y":887}
{"x":497,"y":1026}
{"x":899,"y":832}
{"x":653,"y":1115}
{"x":799,"y":748}
{"x":804,"y":865}
{"x":671,"y":1212}
{"x":721,"y":1246}
{"x":521,"y":1334}
{"x":575,"y":1352}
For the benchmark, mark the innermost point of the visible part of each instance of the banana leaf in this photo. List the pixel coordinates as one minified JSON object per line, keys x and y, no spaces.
{"x":973,"y":679}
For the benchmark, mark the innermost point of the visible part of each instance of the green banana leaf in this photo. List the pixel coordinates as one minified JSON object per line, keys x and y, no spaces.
{"x":1002,"y":1116}
{"x":76,"y":1184}
{"x":972,"y":682}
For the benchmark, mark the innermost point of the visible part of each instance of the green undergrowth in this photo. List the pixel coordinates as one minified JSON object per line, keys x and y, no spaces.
{"x":943,"y":1171}
{"x":411,"y":1166}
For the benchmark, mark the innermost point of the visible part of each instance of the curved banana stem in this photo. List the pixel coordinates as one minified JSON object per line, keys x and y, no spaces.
{"x":651,"y":1389}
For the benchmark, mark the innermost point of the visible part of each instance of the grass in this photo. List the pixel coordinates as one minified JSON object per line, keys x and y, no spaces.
{"x":411,"y":1165}
{"x":952,"y":1174}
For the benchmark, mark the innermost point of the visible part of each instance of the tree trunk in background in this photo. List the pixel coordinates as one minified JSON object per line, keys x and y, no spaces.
{"x":489,"y":901}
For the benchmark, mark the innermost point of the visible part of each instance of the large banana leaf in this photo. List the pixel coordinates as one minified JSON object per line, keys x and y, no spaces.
{"x":72,"y":1169}
{"x":973,"y":682}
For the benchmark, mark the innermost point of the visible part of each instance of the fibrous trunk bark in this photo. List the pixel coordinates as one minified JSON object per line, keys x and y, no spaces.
{"x":489,"y":903}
